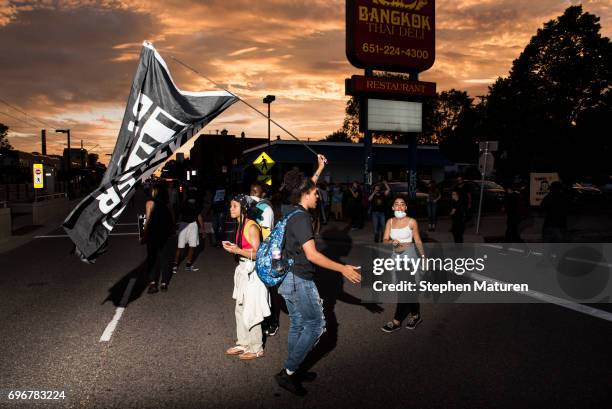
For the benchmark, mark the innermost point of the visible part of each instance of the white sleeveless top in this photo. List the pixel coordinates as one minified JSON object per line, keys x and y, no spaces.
{"x":403,"y":235}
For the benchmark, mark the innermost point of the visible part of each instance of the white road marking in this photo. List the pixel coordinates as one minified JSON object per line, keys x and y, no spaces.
{"x":110,"y":328}
{"x":604,"y":315}
{"x":594,"y":312}
{"x":55,"y":236}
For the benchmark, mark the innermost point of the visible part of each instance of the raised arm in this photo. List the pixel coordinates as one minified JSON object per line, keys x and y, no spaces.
{"x":322,"y":161}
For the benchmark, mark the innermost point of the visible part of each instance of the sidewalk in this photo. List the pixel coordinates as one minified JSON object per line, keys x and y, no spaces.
{"x":24,"y":231}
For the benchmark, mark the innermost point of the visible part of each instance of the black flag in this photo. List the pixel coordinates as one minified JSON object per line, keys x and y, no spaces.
{"x":158,"y":119}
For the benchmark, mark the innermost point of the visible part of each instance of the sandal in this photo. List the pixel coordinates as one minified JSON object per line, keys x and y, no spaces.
{"x":236,"y":350}
{"x":247,"y":356}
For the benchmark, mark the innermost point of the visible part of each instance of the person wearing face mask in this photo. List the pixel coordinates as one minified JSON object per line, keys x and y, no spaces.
{"x":403,"y":233}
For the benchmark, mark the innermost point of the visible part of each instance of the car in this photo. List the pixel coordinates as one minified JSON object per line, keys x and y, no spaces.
{"x":585,"y":193}
{"x":401,"y":188}
{"x":494,"y":194}
{"x":606,"y":188}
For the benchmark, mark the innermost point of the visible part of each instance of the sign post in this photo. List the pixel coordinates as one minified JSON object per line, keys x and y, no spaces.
{"x":396,"y":36}
{"x":485,"y":167}
{"x":264,"y":163}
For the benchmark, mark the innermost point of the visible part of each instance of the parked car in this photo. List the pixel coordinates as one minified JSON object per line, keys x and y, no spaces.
{"x":493,"y":199}
{"x":401,"y":188}
{"x":585,"y":193}
{"x":606,"y":188}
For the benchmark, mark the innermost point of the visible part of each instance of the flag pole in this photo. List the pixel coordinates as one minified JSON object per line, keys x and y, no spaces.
{"x":243,"y":101}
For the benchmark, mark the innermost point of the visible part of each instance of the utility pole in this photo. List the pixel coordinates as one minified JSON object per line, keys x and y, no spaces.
{"x":43,"y":142}
{"x":68,"y":161}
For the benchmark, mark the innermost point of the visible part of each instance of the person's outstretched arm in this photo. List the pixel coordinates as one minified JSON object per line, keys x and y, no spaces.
{"x":314,"y":256}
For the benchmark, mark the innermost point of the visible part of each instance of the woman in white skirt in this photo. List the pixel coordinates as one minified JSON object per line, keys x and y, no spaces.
{"x":251,"y":295}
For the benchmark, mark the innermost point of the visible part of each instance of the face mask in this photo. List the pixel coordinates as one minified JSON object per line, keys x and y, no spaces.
{"x":399,"y":214}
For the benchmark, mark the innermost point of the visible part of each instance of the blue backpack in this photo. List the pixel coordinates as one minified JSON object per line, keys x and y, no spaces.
{"x":263,"y":264}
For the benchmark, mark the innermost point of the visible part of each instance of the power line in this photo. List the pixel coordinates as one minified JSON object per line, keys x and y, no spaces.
{"x":26,"y":114}
{"x":21,"y":121}
{"x":244,"y":102}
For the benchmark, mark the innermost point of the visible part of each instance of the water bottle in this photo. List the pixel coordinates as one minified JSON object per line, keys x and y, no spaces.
{"x":276,"y":258}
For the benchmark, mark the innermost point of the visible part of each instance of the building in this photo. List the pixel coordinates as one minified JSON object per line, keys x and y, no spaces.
{"x":78,"y":158}
{"x":16,"y":166}
{"x":215,"y":155}
{"x":346,"y":161}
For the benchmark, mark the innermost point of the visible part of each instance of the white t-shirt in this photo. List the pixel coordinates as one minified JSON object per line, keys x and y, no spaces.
{"x":267,"y":216}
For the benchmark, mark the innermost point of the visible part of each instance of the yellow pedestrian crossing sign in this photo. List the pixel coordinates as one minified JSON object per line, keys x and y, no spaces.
{"x":264,"y":163}
{"x":39,"y":179}
{"x":266,"y":179}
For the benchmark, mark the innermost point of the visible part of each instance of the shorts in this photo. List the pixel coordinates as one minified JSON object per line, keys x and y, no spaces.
{"x":188,"y":234}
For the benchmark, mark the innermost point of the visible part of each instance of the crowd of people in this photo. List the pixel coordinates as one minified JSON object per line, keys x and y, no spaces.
{"x":305,"y":205}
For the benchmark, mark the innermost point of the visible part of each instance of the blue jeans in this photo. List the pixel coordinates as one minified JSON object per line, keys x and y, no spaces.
{"x":306,"y":320}
{"x":378,"y":224}
{"x":432,"y":211}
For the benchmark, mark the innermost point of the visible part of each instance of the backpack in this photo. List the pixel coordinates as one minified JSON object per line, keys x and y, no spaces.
{"x":263,"y":263}
{"x":256,"y":213}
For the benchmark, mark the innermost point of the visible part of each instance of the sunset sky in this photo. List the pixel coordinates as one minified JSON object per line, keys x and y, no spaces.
{"x":70,"y":64}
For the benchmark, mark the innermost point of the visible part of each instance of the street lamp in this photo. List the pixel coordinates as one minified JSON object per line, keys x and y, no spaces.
{"x":268,"y":100}
{"x":67,"y":132}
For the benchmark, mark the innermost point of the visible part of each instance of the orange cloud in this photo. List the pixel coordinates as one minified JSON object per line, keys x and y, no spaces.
{"x":71,"y":63}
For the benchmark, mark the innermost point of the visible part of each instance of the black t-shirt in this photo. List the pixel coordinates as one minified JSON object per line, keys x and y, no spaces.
{"x":378,"y":202}
{"x":297,"y":232}
{"x":458,"y":219}
{"x":190,"y":211}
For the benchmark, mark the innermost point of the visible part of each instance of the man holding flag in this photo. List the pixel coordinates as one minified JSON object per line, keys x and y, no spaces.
{"x":159,"y":119}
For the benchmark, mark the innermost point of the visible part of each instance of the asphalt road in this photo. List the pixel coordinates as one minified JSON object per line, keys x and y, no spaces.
{"x":167,"y":350}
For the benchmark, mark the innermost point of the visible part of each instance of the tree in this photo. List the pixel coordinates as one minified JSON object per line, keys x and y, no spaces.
{"x":4,"y":143}
{"x":452,"y":120}
{"x":338,"y":136}
{"x":543,"y":112}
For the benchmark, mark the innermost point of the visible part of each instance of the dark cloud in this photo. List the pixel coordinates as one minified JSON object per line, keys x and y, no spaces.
{"x":53,"y":58}
{"x":73,"y":61}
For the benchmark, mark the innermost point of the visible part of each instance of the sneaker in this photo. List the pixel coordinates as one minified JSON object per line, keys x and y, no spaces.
{"x":290,"y":383}
{"x":306,"y":376}
{"x":271,"y":330}
{"x":190,"y":267}
{"x":163,"y":287}
{"x":413,"y":321}
{"x":174,"y":268}
{"x":152,"y":288}
{"x":390,"y":327}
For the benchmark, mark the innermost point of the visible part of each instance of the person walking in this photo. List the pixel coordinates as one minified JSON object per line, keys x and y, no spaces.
{"x":512,"y":208}
{"x":555,"y":208}
{"x":306,"y":320}
{"x":403,"y":233}
{"x":457,"y":215}
{"x":336,"y":202}
{"x":355,"y":206}
{"x":465,"y":196}
{"x":377,"y":200}
{"x":433,"y":196}
{"x":219,"y":214}
{"x":158,"y":228}
{"x":188,"y":230}
{"x":251,"y":295}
